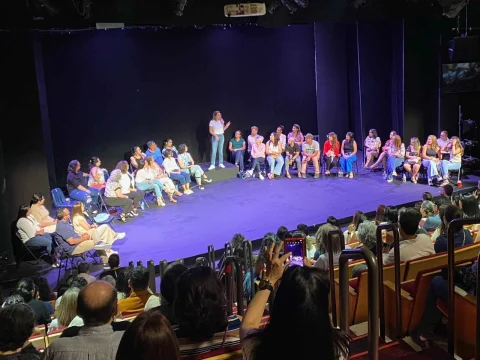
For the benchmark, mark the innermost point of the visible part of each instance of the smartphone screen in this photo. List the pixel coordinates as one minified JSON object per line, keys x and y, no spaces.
{"x":297,"y":248}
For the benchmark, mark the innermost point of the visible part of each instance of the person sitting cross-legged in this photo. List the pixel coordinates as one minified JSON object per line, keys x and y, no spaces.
{"x":77,"y":185}
{"x":349,"y":155}
{"x":146,"y":180}
{"x":331,"y":152}
{"x":115,"y":198}
{"x":162,"y":176}
{"x":140,"y":292}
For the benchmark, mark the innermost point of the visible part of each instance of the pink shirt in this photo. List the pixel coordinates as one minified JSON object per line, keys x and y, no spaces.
{"x":258,"y":151}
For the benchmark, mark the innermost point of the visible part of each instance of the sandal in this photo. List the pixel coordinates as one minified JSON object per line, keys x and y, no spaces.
{"x":172,"y":200}
{"x":350,"y":176}
{"x":288,"y":176}
{"x":178,"y":193}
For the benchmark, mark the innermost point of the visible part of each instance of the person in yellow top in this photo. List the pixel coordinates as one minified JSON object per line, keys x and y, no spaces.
{"x":140,"y":293}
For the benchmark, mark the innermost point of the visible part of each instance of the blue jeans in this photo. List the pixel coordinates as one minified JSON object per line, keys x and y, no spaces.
{"x":276,"y":165}
{"x":85,"y":197}
{"x":155,"y":186}
{"x":238,"y":156}
{"x":347,"y":164}
{"x":195,"y":171}
{"x":183,"y":177}
{"x":256,"y":164}
{"x":298,"y":160}
{"x":449,"y":165}
{"x":44,"y":240}
{"x":432,"y":168}
{"x":217,"y":145}
{"x":392,"y":163}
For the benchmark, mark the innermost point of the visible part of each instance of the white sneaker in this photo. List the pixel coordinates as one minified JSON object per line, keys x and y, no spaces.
{"x":120,"y":236}
{"x":222,"y":166}
{"x":249,"y":172}
{"x":260,"y":176}
{"x":200,"y":187}
{"x":211,"y":167}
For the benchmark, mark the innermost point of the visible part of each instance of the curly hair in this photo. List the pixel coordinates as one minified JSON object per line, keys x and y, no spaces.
{"x":200,"y":305}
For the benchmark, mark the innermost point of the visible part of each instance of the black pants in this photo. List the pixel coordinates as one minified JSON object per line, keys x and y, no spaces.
{"x":136,"y":196}
{"x":331,"y":162}
{"x":431,"y":315}
{"x":125,"y":204}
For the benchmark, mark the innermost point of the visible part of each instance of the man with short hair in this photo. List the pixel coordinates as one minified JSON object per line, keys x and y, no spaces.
{"x":282,"y":136}
{"x":413,"y":245}
{"x":97,"y":306}
{"x":447,"y":191}
{"x":84,"y":272}
{"x":252,"y":138}
{"x":444,"y":143}
{"x":140,"y":293}
{"x":154,"y":152}
{"x":310,"y":152}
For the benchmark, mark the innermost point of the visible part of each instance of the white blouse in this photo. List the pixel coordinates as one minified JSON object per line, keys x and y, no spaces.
{"x":170,"y":164}
{"x":145,"y":175}
{"x":127,"y":182}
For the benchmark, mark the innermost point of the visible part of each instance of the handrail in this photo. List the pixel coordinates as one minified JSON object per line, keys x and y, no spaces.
{"x":248,"y":259}
{"x":235,"y":264}
{"x":331,"y":269}
{"x":151,"y":272}
{"x":228,"y":249}
{"x":201,"y":261}
{"x":454,"y":224}
{"x":396,"y":264}
{"x":477,"y":338}
{"x":211,"y":256}
{"x":373,"y":302}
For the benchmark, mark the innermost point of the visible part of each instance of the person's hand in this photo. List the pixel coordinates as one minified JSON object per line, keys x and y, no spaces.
{"x":228,"y":124}
{"x":216,"y":137}
{"x":95,"y":226}
{"x":150,"y":181}
{"x":308,"y":262}
{"x":275,"y":265}
{"x":41,"y":231}
{"x":88,"y":191}
{"x":85,"y":236}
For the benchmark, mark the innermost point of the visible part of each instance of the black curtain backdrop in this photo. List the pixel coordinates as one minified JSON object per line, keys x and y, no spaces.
{"x":110,"y":90}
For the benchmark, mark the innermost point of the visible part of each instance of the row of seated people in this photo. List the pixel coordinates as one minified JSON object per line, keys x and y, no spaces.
{"x":71,"y":233}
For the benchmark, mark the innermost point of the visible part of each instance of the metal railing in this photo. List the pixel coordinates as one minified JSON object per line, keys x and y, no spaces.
{"x":452,"y":226}
{"x":373,"y":289}
{"x":211,"y":256}
{"x":249,"y":267}
{"x":232,"y":266}
{"x":331,"y":269}
{"x":396,"y":264}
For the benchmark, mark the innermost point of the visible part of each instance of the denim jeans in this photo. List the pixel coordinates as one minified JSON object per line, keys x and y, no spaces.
{"x":195,"y":171}
{"x":347,"y":164}
{"x":44,"y":240}
{"x":85,"y":197}
{"x":183,"y":177}
{"x":449,"y":165}
{"x":144,"y":185}
{"x":256,"y":164}
{"x":238,"y":157}
{"x":298,"y":160}
{"x":432,"y":168}
{"x":392,"y":163}
{"x":275,"y":164}
{"x":217,"y":145}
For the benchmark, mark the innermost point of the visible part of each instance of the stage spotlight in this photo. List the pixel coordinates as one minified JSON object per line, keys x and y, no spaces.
{"x":179,"y":6}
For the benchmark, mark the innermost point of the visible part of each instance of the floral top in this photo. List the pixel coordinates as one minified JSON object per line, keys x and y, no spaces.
{"x":392,"y":151}
{"x":372,"y":143}
{"x":298,"y":138}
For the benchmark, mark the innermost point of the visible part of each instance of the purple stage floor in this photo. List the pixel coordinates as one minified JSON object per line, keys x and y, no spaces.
{"x":252,"y":207}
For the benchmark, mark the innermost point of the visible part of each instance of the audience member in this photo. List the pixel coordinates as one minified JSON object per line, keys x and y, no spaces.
{"x":367,"y":236}
{"x":447,"y":191}
{"x":14,"y":299}
{"x":84,"y":272}
{"x":66,"y":313}
{"x":139,"y":294}
{"x":281,"y":232}
{"x":74,"y":282}
{"x":27,"y":290}
{"x":430,"y":221}
{"x":44,"y":292}
{"x":461,"y":236}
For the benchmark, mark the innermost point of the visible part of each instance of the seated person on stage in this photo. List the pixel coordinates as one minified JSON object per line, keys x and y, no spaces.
{"x":114,"y":197}
{"x":140,"y":293}
{"x":236,"y":146}
{"x":72,"y":243}
{"x":349,"y":155}
{"x":297,"y":134}
{"x":273,"y":150}
{"x":186,"y":163}
{"x":97,"y":175}
{"x":282,"y":136}
{"x":32,"y":235}
{"x":372,"y":147}
{"x":102,"y":234}
{"x":154,"y":152}
{"x":331,"y":152}
{"x":137,"y":155}
{"x":445,"y":145}
{"x":173,"y":170}
{"x":77,"y":185}
{"x":41,"y":214}
{"x":252,"y":138}
{"x":129,"y":187}
{"x":145,"y":180}
{"x":413,"y":158}
{"x":258,"y":156}
{"x":455,"y":159}
{"x":396,"y":157}
{"x":431,"y":156}
{"x":292,"y":154}
{"x":162,"y":176}
{"x":168,"y":145}
{"x":310,"y":152}
{"x":383,"y":156}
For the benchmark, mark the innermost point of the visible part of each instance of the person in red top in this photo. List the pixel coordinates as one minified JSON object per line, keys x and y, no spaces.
{"x":331,"y":152}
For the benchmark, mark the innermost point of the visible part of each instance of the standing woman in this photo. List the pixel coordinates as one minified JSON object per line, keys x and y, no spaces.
{"x":396,"y":156}
{"x":431,"y":156}
{"x":97,"y":175}
{"x":297,"y":134}
{"x":186,"y":163}
{"x":137,"y":155}
{"x":413,"y":158}
{"x":331,"y":152}
{"x":274,"y":150}
{"x":349,"y":155}
{"x":455,"y":162}
{"x":217,"y":127}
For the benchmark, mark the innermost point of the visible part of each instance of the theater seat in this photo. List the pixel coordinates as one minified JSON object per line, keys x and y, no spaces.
{"x":38,"y":341}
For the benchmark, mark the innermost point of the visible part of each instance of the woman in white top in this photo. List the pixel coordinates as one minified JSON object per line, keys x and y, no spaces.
{"x":273,"y":150}
{"x":455,"y":159}
{"x":162,"y":176}
{"x":168,"y":145}
{"x":97,"y":175}
{"x":186,"y":163}
{"x":129,"y":188}
{"x":372,"y":146}
{"x":216,"y":128}
{"x":41,"y":214}
{"x":173,"y":170}
{"x":66,"y":311}
{"x":145,"y":179}
{"x":102,"y":233}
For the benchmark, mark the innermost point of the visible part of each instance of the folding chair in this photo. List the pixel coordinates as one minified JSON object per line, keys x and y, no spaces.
{"x":59,"y":200}
{"x":30,"y":251}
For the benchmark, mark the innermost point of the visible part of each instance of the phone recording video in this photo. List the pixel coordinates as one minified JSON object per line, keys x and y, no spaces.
{"x":297,"y":247}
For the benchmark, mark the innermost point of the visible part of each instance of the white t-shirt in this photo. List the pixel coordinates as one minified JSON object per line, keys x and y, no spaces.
{"x":310,"y":148}
{"x":442,"y":143}
{"x":27,"y":227}
{"x":127,"y":182}
{"x":170,"y":164}
{"x":283,"y":140}
{"x":76,"y":221}
{"x":145,"y":175}
{"x":411,"y":249}
{"x":217,"y":126}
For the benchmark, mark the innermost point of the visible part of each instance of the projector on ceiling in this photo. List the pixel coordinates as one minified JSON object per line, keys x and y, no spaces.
{"x":243,"y":10}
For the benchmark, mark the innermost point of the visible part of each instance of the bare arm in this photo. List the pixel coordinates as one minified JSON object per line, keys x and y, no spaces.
{"x":230,"y":147}
{"x":210,"y":129}
{"x":354,"y":148}
{"x":343,"y":153}
{"x":119,"y":194}
{"x":244,"y":146}
{"x":133,"y":161}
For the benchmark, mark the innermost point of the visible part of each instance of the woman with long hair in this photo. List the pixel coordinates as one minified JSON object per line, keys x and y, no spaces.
{"x":331,"y":152}
{"x":41,"y":213}
{"x":455,"y":160}
{"x":382,"y":158}
{"x":349,"y":155}
{"x":168,"y":145}
{"x":351,"y":233}
{"x":431,"y":156}
{"x":296,"y":133}
{"x":273,"y":150}
{"x":66,"y":311}
{"x":217,"y":129}
{"x":97,"y":175}
{"x":77,"y":186}
{"x":137,"y":155}
{"x":186,"y":163}
{"x":145,"y":180}
{"x":413,"y":158}
{"x":301,"y":304}
{"x":396,"y":156}
{"x":149,"y":337}
{"x":162,"y":176}
{"x":372,"y":147}
{"x":173,"y":170}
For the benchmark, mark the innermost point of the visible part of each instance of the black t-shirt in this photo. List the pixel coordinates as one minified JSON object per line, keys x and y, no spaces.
{"x":42,"y":315}
{"x":292,"y":149}
{"x":116,"y":326}
{"x":74,"y":180}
